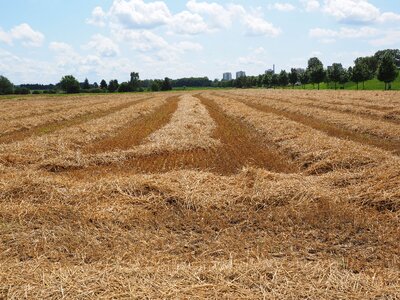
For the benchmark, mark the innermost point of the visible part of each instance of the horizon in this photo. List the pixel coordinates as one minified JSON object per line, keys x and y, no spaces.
{"x":108,"y":39}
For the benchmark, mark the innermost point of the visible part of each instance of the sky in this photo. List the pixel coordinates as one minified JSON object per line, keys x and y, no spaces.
{"x":43,"y":40}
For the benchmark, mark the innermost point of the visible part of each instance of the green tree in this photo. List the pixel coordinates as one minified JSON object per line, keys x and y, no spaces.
{"x":293,"y":77}
{"x":316,"y":70}
{"x":274,"y":80}
{"x":6,"y":87}
{"x":124,"y":87}
{"x":113,"y":85}
{"x":344,"y":77}
{"x":86,"y":84}
{"x":283,"y":78}
{"x":134,"y":82}
{"x":155,"y":86}
{"x":69,"y":84}
{"x":394,"y":52}
{"x":304,"y":78}
{"x":387,"y":70}
{"x":358,"y":72}
{"x":103,"y":84}
{"x":335,"y":72}
{"x":166,"y":84}
{"x":267,"y":79}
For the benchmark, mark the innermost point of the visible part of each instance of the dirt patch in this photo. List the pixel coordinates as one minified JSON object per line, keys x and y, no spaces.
{"x":55,"y":126}
{"x":134,"y":132}
{"x":331,"y":130}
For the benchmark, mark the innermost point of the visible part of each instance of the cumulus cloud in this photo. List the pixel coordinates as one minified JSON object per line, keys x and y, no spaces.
{"x":326,"y":35}
{"x":310,"y":5}
{"x":222,"y":17}
{"x":103,"y":46}
{"x":98,"y":17}
{"x":23,"y":33}
{"x":188,"y":23}
{"x":136,"y":14}
{"x":353,"y":11}
{"x":281,"y":6}
{"x":389,"y":38}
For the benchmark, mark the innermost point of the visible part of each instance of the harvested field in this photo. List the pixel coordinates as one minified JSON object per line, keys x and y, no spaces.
{"x":254,"y":194}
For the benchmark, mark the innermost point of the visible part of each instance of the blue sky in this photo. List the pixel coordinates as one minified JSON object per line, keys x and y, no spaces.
{"x":42,"y":40}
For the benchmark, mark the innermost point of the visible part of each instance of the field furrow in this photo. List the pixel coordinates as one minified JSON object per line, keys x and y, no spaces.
{"x":314,"y":150}
{"x":376,"y":133}
{"x":19,"y":129}
{"x":199,"y":136}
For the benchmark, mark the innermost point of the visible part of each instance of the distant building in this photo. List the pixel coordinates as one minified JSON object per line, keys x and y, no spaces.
{"x":227,"y":76}
{"x":270,"y":71}
{"x":240,"y":74}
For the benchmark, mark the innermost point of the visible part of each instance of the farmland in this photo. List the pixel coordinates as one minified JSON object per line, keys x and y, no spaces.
{"x":275,"y":194}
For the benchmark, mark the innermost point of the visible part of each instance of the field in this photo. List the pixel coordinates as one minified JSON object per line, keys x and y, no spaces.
{"x":222,"y":194}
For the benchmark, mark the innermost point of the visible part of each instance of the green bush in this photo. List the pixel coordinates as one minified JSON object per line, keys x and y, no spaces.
{"x":6,"y":87}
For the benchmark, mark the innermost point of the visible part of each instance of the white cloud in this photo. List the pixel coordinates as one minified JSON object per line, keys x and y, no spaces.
{"x":389,"y":17}
{"x":141,"y":40}
{"x":389,"y":38}
{"x":218,"y":16}
{"x":257,"y":26}
{"x":136,"y":14}
{"x":188,"y":23}
{"x":23,"y":33}
{"x":222,"y":17}
{"x":102,"y":46}
{"x":310,"y":5}
{"x":353,"y":11}
{"x":98,"y":17}
{"x":281,"y":6}
{"x":329,"y":35}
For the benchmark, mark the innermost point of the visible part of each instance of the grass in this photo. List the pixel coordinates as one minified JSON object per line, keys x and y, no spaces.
{"x":373,"y":84}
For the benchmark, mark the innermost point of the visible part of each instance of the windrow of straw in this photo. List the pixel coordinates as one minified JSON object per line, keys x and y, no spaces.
{"x":38,"y":108}
{"x":313,"y":150}
{"x":10,"y":126}
{"x":189,"y":128}
{"x":71,"y":139}
{"x":377,"y":128}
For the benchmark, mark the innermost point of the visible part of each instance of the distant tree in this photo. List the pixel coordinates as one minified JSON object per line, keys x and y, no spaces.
{"x":274,"y":80}
{"x":267,"y":79}
{"x":394,"y":52}
{"x":371,"y":64}
{"x":69,"y":84}
{"x":316,"y":71}
{"x":387,"y":70}
{"x":334,"y":73}
{"x":304,"y":78}
{"x":95,"y":85}
{"x":283,"y":78}
{"x":21,"y":91}
{"x":113,"y":85}
{"x":124,"y":87}
{"x":293,"y":77}
{"x":166,"y":84}
{"x":6,"y":87}
{"x":344,"y":77}
{"x":155,"y":86}
{"x":86,"y":84}
{"x":103,"y":84}
{"x":134,"y":82}
{"x":259,"y":81}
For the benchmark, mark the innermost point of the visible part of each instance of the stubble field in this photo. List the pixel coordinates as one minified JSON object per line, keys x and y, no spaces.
{"x":242,"y":194}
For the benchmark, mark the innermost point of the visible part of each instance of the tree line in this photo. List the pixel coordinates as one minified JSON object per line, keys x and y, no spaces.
{"x":384,"y":65}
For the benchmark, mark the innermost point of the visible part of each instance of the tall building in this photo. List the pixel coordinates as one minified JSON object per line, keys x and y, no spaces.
{"x":227,"y":76}
{"x":240,"y":74}
{"x":270,"y":71}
